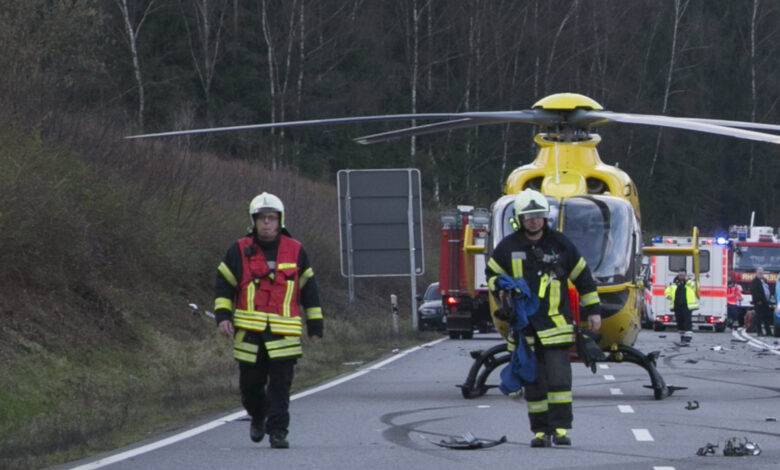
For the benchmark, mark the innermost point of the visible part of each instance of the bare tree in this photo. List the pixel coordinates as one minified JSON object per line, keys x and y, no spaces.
{"x":208,"y":16}
{"x":753,"y":96}
{"x":131,"y":36}
{"x":679,"y":10}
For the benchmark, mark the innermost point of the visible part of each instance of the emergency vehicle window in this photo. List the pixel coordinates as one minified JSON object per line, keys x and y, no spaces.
{"x":600,"y":228}
{"x":704,"y":261}
{"x":678,"y":262}
{"x":751,"y":257}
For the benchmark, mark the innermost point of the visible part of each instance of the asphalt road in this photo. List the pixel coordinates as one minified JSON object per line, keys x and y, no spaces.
{"x":391,"y":414}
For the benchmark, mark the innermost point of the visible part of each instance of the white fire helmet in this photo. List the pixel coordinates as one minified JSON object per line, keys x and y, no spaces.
{"x":266,"y":202}
{"x":531,"y":203}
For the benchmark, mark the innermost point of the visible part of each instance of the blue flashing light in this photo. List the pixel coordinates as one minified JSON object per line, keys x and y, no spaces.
{"x":657,"y":239}
{"x":721,"y":240}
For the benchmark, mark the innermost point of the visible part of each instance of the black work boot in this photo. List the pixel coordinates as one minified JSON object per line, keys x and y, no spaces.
{"x":541,"y":440}
{"x":256,"y":430}
{"x":278,"y":440}
{"x":561,"y":438}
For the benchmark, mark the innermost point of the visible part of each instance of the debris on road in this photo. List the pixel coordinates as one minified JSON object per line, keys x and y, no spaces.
{"x":692,"y":405}
{"x":468,"y":441}
{"x":709,"y":448}
{"x":734,"y":447}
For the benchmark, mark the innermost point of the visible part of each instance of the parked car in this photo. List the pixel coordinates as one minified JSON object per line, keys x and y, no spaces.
{"x":429,"y":312}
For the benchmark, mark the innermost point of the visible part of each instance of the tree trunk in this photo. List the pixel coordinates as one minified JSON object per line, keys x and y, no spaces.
{"x":132,"y":41}
{"x":679,"y":10}
{"x":271,"y":75}
{"x":207,"y":36}
{"x":753,"y":95}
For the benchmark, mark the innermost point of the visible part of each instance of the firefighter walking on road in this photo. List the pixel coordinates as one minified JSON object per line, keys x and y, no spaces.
{"x":260,"y":282}
{"x":681,"y":293}
{"x":546,"y":260}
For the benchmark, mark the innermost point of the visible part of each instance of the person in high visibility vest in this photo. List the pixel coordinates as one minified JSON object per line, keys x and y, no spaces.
{"x":681,"y":293}
{"x":733,"y":301}
{"x":260,"y":282}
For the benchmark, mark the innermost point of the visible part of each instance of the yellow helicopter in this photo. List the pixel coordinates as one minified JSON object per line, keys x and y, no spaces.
{"x":596,"y":205}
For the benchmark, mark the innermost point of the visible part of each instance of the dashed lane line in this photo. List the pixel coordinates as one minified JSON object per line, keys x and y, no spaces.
{"x":642,"y":435}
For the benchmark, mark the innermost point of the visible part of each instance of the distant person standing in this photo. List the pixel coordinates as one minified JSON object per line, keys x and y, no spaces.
{"x":759,"y":290}
{"x":681,"y":294}
{"x":733,"y":301}
{"x":260,"y":282}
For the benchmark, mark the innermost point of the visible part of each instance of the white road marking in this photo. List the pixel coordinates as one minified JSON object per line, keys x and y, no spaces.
{"x":609,"y":377}
{"x":663,"y":468}
{"x":615,"y":391}
{"x":232,"y":417}
{"x":603,"y":366}
{"x":642,"y":435}
{"x":625,"y":409}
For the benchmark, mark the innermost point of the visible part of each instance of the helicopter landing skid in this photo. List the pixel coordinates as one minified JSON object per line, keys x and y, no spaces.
{"x":647,"y":362}
{"x":488,"y":360}
{"x":484,"y":363}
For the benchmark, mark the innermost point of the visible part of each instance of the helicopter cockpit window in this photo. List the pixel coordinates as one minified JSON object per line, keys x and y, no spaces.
{"x":601,"y":228}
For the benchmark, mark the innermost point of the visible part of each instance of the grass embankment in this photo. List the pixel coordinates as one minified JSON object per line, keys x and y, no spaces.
{"x":103,"y":244}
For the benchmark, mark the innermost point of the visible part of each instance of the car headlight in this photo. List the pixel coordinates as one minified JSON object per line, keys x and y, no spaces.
{"x":428,"y":312}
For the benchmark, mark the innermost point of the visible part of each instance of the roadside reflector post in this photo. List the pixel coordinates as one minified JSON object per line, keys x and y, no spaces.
{"x":394,"y":308}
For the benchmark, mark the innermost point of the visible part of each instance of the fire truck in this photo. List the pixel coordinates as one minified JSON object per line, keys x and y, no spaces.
{"x":462,"y":282}
{"x":751,"y":247}
{"x":713,"y":280}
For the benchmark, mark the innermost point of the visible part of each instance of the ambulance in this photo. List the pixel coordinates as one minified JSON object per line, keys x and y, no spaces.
{"x":713,"y":281}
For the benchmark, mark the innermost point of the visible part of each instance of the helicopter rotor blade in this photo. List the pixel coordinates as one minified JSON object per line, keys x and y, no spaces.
{"x":536,"y":116}
{"x":454,"y":121}
{"x":545,"y":118}
{"x":415,"y":131}
{"x":675,"y":122}
{"x":311,"y":122}
{"x":739,"y":124}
